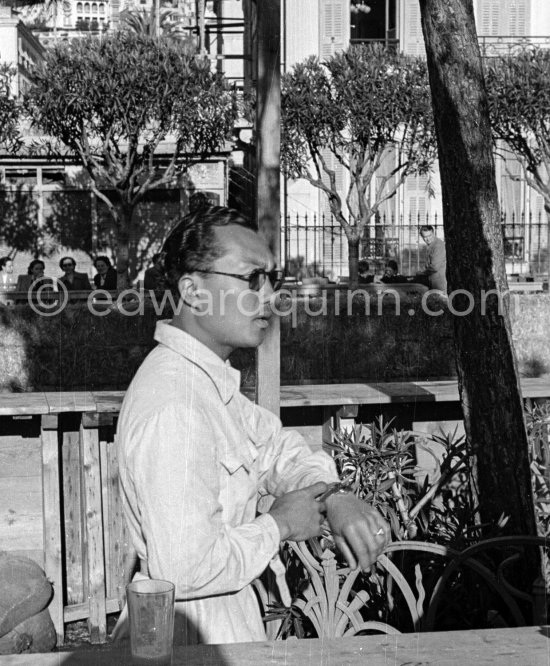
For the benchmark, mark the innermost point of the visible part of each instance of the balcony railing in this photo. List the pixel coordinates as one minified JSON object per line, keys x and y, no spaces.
{"x":490,"y":45}
{"x":500,"y":45}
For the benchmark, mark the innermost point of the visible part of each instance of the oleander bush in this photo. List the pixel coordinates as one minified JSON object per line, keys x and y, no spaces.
{"x":420,"y":583}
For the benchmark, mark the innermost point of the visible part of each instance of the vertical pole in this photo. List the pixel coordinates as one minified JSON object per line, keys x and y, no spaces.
{"x":268,"y":140}
{"x":201,"y":25}
{"x":51,"y":506}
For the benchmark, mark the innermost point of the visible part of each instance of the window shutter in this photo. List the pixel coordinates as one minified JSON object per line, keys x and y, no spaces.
{"x":413,"y":39}
{"x":519,"y":18}
{"x":416,"y":200}
{"x":504,"y":18}
{"x":490,"y":16}
{"x":538,"y":212}
{"x":334,"y":29}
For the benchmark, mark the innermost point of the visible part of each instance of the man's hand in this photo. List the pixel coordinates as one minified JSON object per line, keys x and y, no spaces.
{"x":298,"y":514}
{"x":359,"y":531}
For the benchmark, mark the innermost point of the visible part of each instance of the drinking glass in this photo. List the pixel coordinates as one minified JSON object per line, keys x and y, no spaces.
{"x":151,"y":611}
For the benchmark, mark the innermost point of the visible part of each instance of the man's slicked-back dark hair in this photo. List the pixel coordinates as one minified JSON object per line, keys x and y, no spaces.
{"x":191,"y":245}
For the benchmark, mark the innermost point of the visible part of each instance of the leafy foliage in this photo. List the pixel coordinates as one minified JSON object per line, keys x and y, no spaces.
{"x":171,"y":20}
{"x":379,"y":462}
{"x":367,"y":110}
{"x":538,"y":429}
{"x":423,"y":583}
{"x":117,"y":103}
{"x":10,"y":138}
{"x":518,"y":87}
{"x":19,"y":228}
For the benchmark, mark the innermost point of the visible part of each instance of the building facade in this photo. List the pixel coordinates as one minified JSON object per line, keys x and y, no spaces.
{"x":323,"y":27}
{"x":18,"y":46}
{"x":40,"y":196}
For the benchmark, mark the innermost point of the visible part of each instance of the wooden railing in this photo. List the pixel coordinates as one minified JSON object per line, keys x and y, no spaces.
{"x":59,"y":499}
{"x":59,"y":496}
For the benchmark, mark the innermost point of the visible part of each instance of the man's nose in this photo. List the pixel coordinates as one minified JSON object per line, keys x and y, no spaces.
{"x":266,"y":291}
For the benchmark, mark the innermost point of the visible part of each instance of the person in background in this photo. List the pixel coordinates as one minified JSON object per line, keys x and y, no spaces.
{"x":364,"y":277}
{"x":35,"y":278}
{"x":391,"y":274}
{"x":434,"y":273}
{"x":72,"y":280}
{"x":154,"y":275}
{"x":7,"y":278}
{"x":106,"y":276}
{"x":195,"y":454}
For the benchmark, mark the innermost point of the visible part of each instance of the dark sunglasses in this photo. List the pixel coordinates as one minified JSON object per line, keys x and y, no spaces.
{"x":257,"y":278}
{"x":67,"y":265}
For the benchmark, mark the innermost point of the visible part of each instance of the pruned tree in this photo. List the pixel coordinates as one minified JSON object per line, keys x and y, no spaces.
{"x":487,"y":368}
{"x":519,"y":102}
{"x":135,"y":112}
{"x":369,"y":109}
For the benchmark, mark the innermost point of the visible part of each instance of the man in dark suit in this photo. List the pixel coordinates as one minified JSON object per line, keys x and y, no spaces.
{"x":72,"y":280}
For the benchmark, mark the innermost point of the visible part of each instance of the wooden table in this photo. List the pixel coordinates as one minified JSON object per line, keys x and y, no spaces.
{"x":525,"y":646}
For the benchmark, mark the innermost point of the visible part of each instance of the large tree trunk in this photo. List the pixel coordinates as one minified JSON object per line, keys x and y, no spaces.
{"x":487,"y":369}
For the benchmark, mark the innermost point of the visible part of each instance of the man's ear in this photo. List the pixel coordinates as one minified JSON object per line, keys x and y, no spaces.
{"x":188,"y":290}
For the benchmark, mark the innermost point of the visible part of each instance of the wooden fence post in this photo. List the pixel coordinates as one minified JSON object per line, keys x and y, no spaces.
{"x":93,"y":512}
{"x":51,"y":507}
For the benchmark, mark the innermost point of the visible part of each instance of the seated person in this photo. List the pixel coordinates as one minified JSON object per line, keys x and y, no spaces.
{"x":154,"y":275}
{"x":7,"y":278}
{"x":106,"y":277}
{"x":195,"y":454}
{"x":391,"y":274}
{"x":35,"y":278}
{"x":364,"y":276}
{"x":72,"y":280}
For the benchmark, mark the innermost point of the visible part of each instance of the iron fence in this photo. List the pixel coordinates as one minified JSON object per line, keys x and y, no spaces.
{"x":315,"y":245}
{"x":507,"y":45}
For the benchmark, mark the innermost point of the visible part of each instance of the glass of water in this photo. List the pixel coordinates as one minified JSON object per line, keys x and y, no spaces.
{"x":151,"y":611}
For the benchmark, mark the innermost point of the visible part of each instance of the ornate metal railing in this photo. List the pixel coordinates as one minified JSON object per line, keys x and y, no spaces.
{"x":499,"y":45}
{"x":417,"y":576}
